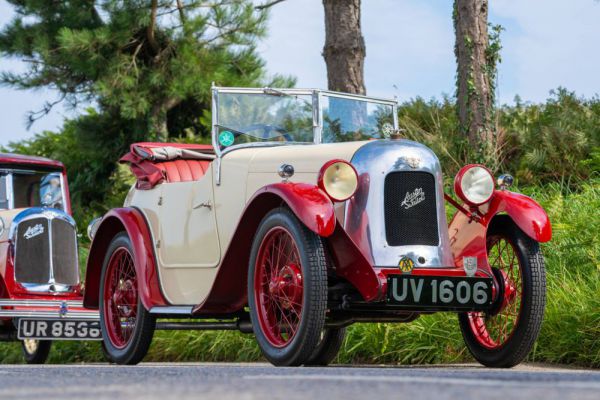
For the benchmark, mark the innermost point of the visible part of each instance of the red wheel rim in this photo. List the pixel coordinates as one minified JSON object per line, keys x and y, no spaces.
{"x":493,"y":331}
{"x":120,"y":298}
{"x":278,"y":287}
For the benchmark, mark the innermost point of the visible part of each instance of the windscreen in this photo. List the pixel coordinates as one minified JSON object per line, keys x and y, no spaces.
{"x":257,"y":117}
{"x":347,"y":120}
{"x":35,"y":189}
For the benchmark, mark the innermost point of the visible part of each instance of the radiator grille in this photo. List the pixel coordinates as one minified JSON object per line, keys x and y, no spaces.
{"x":410,"y":209}
{"x":32,"y":252}
{"x":64,"y":252}
{"x":46,"y":248}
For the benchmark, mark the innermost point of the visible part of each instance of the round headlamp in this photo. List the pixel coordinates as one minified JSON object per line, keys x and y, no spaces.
{"x":338,"y":179}
{"x":474,"y":184}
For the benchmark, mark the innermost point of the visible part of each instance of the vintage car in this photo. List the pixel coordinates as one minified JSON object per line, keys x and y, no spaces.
{"x":40,"y":290}
{"x":309,"y":213}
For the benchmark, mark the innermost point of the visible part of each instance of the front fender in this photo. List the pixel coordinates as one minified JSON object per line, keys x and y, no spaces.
{"x":308,"y":202}
{"x":468,"y":237}
{"x":526,"y":212}
{"x":132,"y":221}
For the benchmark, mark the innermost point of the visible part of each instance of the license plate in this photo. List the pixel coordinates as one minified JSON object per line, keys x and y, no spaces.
{"x":437,"y":292}
{"x":58,"y":329}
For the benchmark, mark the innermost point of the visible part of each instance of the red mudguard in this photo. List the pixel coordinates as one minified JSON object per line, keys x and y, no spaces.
{"x":133,"y":222}
{"x":468,"y":237}
{"x":309,"y":203}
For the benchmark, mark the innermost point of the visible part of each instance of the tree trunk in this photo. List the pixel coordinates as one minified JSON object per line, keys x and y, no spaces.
{"x":157,"y":119}
{"x":344,"y":50}
{"x":474,"y":94}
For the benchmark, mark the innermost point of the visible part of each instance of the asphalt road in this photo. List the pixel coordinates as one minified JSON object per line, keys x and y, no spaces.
{"x":261,"y":381}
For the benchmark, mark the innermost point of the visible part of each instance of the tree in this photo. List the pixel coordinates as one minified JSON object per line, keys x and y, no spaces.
{"x":146,"y":66}
{"x":142,"y":59}
{"x":344,"y":51}
{"x":477,"y":56}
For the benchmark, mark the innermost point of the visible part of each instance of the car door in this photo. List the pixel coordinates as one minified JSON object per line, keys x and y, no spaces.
{"x":188,"y":230}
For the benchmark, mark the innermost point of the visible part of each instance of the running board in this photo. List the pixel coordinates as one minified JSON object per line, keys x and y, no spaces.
{"x":243,"y":326}
{"x":172,"y":310}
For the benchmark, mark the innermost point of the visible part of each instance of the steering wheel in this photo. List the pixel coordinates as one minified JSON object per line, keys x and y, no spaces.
{"x":267,"y":129}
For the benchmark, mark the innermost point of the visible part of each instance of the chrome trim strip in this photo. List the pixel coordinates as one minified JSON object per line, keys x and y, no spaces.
{"x":87,"y":315}
{"x":40,"y":303}
{"x":9,"y":191}
{"x":180,"y":310}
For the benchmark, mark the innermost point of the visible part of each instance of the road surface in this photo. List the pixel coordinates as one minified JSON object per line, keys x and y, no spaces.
{"x":261,"y":381}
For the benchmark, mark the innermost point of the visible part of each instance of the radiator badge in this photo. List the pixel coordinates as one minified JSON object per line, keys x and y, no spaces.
{"x":33,"y":231}
{"x":406,"y":265}
{"x":414,"y":198}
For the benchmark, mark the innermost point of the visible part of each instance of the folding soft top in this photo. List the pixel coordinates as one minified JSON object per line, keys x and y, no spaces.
{"x":143,"y":157}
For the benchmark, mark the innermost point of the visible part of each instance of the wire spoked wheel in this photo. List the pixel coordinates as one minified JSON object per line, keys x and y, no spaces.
{"x":506,"y":333}
{"x":493,"y":329}
{"x":120,"y":297}
{"x":278,"y":287}
{"x":287,"y":288}
{"x":127,"y":328}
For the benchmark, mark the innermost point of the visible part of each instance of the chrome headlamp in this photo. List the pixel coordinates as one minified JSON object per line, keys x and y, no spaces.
{"x":474,"y":184}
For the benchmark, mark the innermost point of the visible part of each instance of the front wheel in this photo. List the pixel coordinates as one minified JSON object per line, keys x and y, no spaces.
{"x":36,"y":351}
{"x":504,"y":336}
{"x":127,"y":328}
{"x":287,"y":289}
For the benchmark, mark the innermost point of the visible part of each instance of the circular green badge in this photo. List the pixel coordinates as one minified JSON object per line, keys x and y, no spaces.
{"x":226,"y":138}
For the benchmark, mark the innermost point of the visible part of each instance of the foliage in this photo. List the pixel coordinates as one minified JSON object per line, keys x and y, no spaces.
{"x":556,"y":141}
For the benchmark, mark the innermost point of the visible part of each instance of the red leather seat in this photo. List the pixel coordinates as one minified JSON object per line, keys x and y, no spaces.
{"x":183,"y":170}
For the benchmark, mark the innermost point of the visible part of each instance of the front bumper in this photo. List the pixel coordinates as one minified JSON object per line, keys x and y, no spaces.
{"x":61,"y":309}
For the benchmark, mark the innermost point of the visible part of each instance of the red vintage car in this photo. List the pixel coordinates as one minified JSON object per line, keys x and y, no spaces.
{"x":40,"y":288}
{"x":307,"y":214}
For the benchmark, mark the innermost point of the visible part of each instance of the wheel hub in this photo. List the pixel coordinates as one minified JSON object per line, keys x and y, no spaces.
{"x":287,"y":285}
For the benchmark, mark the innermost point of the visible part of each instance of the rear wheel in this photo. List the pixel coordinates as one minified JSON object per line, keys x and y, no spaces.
{"x":504,"y":336}
{"x":329,"y":346}
{"x":127,"y":328}
{"x":287,"y":289}
{"x":36,"y":351}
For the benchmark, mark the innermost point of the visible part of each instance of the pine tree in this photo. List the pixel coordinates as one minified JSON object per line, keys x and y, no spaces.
{"x":146,"y":60}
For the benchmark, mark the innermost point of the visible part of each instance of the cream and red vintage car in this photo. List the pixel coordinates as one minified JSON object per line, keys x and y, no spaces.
{"x":40,"y":290}
{"x":307,"y":214}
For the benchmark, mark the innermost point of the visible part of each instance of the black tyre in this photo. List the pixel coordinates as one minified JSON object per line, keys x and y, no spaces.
{"x":127,"y":328}
{"x":36,"y":351}
{"x":331,"y":342}
{"x":287,"y":289}
{"x":503,"y":337}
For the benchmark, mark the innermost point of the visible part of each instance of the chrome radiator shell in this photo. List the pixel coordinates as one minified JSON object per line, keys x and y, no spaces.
{"x":45,"y":250}
{"x":364,"y":219}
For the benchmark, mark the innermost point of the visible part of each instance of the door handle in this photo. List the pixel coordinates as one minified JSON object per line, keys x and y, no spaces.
{"x":205,"y":204}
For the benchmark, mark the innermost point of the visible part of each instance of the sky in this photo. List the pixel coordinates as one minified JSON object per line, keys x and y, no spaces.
{"x":546,"y":44}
